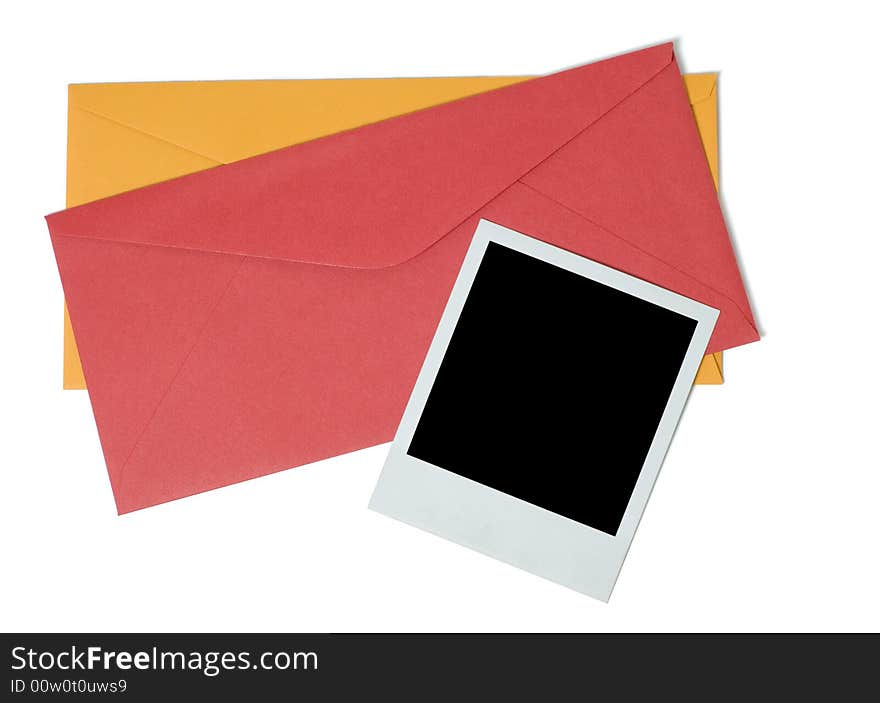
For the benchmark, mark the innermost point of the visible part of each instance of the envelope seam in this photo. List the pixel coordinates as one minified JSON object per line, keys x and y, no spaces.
{"x":707,"y":97}
{"x":717,"y":361}
{"x":149,"y":422}
{"x":694,"y":103}
{"x":642,"y":250}
{"x":148,"y":134}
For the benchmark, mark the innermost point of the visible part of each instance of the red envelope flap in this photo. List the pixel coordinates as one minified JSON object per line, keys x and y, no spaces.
{"x":378,"y":195}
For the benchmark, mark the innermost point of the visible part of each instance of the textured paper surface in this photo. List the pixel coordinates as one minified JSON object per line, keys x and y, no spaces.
{"x":275,"y":311}
{"x":128,"y":135}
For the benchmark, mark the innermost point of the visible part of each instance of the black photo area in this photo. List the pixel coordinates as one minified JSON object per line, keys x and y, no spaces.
{"x":552,"y":388}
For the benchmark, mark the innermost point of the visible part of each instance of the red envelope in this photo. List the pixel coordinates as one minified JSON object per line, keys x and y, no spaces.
{"x":276,"y":311}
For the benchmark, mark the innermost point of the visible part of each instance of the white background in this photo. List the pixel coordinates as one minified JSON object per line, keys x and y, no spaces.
{"x":765,"y":515}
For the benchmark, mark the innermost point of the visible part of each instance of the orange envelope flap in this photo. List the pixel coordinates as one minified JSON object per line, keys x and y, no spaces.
{"x":703,"y":96}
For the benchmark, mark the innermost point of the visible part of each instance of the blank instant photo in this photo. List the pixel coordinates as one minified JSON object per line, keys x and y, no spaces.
{"x":543,"y":410}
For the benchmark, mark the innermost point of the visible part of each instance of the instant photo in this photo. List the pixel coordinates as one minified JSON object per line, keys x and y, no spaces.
{"x":544,"y":408}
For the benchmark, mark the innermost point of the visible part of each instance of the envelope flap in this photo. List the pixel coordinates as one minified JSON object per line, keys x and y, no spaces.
{"x":420,"y":175}
{"x":701,"y":90}
{"x":700,"y":86}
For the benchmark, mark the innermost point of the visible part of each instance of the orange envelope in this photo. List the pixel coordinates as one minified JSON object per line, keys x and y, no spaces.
{"x":123,"y":136}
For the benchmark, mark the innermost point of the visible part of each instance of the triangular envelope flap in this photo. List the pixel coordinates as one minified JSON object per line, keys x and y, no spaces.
{"x":700,"y":86}
{"x":377,"y":195}
{"x":228,"y":121}
{"x":642,"y":177}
